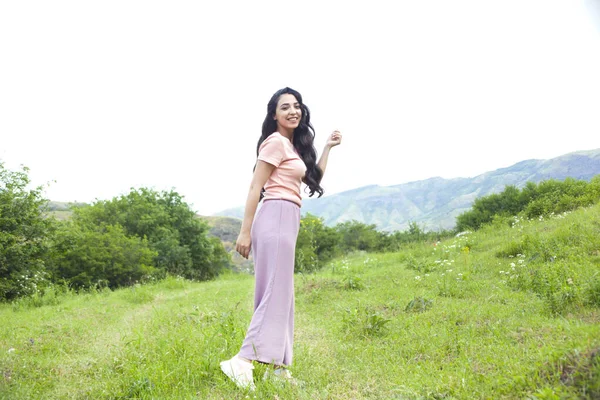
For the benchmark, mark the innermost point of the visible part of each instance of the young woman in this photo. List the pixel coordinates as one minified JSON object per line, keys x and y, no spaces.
{"x":286,"y":156}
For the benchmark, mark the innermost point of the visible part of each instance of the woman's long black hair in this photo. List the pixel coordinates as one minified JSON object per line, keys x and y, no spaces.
{"x":304,"y":137}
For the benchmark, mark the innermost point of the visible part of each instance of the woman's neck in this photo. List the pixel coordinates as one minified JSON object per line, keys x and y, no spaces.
{"x":289,"y":135}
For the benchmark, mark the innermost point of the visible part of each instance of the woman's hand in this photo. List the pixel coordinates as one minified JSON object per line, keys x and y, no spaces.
{"x":243,"y":244}
{"x":334,"y":139}
{"x":261,"y":173}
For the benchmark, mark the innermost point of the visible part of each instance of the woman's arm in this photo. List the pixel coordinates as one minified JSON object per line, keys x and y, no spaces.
{"x":262,"y":172}
{"x":334,"y":139}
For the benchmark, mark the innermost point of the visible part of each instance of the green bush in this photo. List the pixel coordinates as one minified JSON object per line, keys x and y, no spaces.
{"x":364,"y":320}
{"x":316,"y":244}
{"x":544,"y":199}
{"x":356,"y":235}
{"x":352,"y":282}
{"x":418,"y":305}
{"x":23,"y":233}
{"x":179,"y":239}
{"x":104,"y":256}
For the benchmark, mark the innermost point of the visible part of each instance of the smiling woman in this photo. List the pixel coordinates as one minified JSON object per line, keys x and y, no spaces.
{"x":285,"y":157}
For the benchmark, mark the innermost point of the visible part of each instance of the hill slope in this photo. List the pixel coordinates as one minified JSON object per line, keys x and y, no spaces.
{"x":502,"y":313}
{"x":436,"y":202}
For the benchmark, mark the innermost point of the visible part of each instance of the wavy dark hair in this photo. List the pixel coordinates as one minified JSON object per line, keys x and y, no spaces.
{"x":304,"y":137}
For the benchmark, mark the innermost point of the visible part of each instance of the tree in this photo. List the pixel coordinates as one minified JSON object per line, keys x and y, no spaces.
{"x":168,"y":224}
{"x":103,"y":256}
{"x":359,"y":236}
{"x":23,"y":232}
{"x":509,"y":202}
{"x":547,"y":197}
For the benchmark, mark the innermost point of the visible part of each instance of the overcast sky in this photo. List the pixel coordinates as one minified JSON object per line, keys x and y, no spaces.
{"x":103,"y":96}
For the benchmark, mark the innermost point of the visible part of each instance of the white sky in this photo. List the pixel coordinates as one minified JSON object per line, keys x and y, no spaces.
{"x":104,"y":96}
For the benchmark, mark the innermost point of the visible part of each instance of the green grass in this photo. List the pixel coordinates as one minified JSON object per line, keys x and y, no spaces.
{"x":454,"y":320}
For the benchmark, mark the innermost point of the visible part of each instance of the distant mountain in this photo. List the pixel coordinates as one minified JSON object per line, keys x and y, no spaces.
{"x":225,"y":228}
{"x":436,"y":202}
{"x":63,"y":206}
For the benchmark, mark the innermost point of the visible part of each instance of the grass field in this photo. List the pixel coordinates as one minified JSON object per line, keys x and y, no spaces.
{"x":509,"y":312}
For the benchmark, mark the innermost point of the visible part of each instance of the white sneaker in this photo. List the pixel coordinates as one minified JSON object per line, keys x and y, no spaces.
{"x":239,"y":371}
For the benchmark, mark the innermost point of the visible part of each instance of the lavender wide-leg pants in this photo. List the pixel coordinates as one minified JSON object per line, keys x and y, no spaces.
{"x":270,"y":337}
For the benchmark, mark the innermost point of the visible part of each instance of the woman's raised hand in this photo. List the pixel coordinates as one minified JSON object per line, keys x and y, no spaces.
{"x":243,"y":244}
{"x":334,"y":139}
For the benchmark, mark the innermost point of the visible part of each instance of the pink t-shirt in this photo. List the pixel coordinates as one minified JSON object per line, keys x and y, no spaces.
{"x":284,"y":182}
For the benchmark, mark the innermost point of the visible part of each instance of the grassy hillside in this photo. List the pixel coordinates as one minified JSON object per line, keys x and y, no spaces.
{"x":508,"y":312}
{"x":61,"y":210}
{"x":225,"y":228}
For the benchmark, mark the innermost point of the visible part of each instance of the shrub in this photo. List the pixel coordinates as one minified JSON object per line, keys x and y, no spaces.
{"x":100,"y":257}
{"x":178,"y":238}
{"x":352,"y":282}
{"x":544,"y":199}
{"x":418,"y":305}
{"x":23,"y":232}
{"x":316,"y":244}
{"x":364,"y":321}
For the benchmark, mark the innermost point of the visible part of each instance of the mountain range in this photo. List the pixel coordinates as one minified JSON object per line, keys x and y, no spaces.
{"x":435,"y":203}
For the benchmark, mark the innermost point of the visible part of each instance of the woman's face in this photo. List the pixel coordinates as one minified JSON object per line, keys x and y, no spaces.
{"x":288,"y":112}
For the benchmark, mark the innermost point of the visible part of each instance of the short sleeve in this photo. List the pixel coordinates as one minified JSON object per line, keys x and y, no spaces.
{"x":271,"y":150}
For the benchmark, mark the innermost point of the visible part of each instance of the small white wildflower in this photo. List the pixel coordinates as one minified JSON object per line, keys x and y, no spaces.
{"x":512,"y":264}
{"x":417,"y":277}
{"x":11,"y":350}
{"x":570,"y":281}
{"x":448,"y":270}
{"x":521,"y":261}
